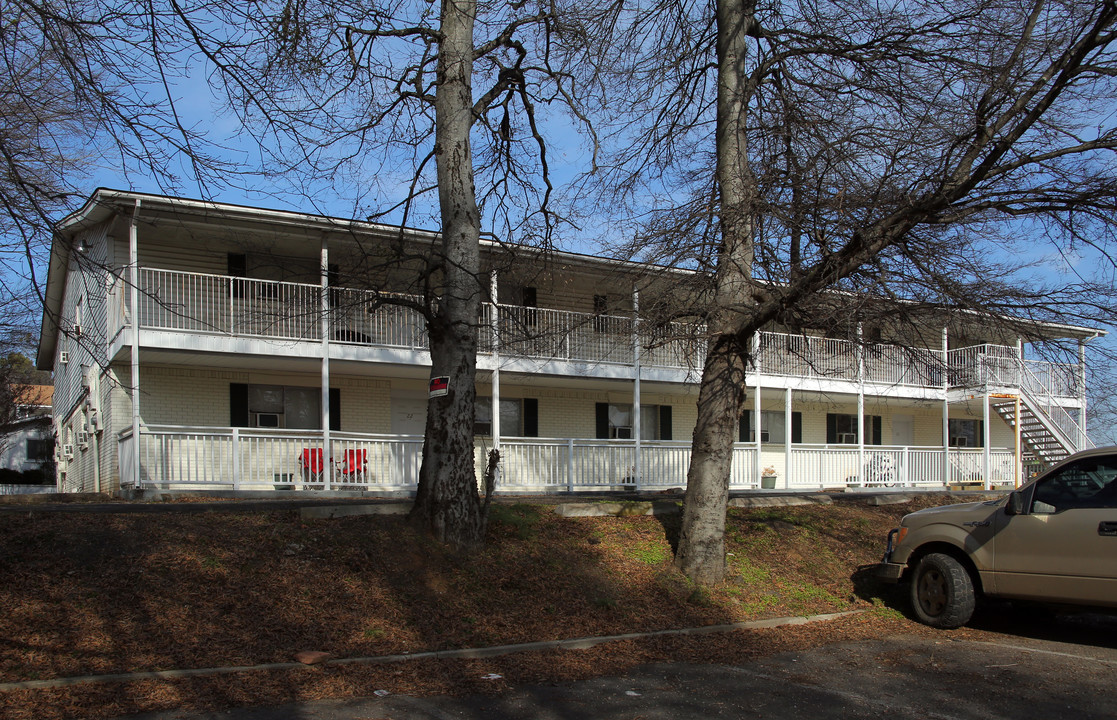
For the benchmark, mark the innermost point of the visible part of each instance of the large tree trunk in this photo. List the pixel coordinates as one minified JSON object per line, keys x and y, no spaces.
{"x":701,"y":549}
{"x":447,"y":501}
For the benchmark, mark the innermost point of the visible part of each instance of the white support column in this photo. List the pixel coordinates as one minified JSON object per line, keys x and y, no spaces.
{"x":637,"y":429}
{"x":787,"y":439}
{"x":236,"y":458}
{"x":494,"y":330}
{"x":1018,"y":457}
{"x":861,"y":474}
{"x":756,"y":427}
{"x":134,"y":294}
{"x":570,"y":464}
{"x":1083,"y":437}
{"x":324,"y":325}
{"x":987,"y":438}
{"x":1019,"y":460}
{"x":945,"y":408}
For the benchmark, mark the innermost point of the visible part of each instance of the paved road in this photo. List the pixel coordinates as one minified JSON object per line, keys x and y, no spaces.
{"x":1054,"y":671}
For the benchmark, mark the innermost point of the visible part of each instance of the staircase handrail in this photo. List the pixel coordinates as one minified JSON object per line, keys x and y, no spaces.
{"x":1043,"y":414}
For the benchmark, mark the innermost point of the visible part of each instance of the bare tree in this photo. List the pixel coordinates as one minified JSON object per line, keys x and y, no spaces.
{"x":371,"y":97}
{"x":867,"y":158}
{"x":84,"y":87}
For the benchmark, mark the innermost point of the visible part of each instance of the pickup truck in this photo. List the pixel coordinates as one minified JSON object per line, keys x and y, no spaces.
{"x":1053,"y":540}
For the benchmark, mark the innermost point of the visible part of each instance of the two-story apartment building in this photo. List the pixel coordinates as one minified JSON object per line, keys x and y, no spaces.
{"x":202,"y":345}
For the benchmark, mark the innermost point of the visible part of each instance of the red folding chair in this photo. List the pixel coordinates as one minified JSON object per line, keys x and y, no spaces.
{"x":352,"y":466}
{"x":312,"y":464}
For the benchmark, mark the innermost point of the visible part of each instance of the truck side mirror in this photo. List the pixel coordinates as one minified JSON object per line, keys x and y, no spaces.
{"x":1015,"y":504}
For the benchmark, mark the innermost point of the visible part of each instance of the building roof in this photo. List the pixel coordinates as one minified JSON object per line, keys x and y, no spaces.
{"x":39,"y":395}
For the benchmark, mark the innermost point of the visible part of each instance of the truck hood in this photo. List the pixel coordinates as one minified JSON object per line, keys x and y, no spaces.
{"x":953,"y":514}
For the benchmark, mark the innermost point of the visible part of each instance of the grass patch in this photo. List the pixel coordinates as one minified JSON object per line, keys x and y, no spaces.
{"x":520,"y":520}
{"x":650,"y":553}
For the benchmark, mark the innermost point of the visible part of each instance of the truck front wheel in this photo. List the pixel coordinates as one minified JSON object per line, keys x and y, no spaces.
{"x":942,"y":593}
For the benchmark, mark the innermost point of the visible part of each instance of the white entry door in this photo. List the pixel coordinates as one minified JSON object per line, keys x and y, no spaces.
{"x":409,"y":413}
{"x":409,"y":417}
{"x":903,"y":430}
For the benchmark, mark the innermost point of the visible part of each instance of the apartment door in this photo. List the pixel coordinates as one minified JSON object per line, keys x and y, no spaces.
{"x":409,"y":417}
{"x":903,"y":430}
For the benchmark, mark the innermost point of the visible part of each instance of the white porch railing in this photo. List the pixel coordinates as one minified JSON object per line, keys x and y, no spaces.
{"x":252,"y":459}
{"x":563,"y":335}
{"x":1001,"y":365}
{"x":224,"y":305}
{"x":805,"y":356}
{"x":244,"y":459}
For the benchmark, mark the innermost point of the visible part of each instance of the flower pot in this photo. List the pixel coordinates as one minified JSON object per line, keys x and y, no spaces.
{"x":768,"y":482}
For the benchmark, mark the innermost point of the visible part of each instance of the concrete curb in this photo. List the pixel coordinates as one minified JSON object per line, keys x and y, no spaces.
{"x":671,"y":507}
{"x":462,"y":654}
{"x":327,"y":512}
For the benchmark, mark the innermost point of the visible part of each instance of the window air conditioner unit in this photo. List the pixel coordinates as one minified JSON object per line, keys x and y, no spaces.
{"x":764,"y":435}
{"x":960,"y":441}
{"x":623,"y":433}
{"x":64,"y":357}
{"x":83,"y":440}
{"x":267,"y":420}
{"x":847,"y":438}
{"x":68,"y":451}
{"x":77,"y":331}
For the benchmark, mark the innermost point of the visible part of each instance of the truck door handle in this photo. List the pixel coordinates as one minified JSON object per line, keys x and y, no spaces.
{"x":1107,"y":528}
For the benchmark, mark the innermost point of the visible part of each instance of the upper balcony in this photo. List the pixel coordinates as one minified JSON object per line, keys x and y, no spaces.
{"x":234,"y":307}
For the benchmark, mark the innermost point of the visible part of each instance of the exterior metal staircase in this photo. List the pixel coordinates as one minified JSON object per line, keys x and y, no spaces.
{"x":1047,"y":440}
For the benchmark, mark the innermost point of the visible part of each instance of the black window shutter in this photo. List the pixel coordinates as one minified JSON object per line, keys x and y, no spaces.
{"x":603,"y":421}
{"x":335,"y":409}
{"x":877,"y":435}
{"x":529,"y":296}
{"x":981,"y":433}
{"x":665,"y":422}
{"x":531,"y":417}
{"x":745,"y":426}
{"x":796,"y":427}
{"x":238,"y":405}
{"x":831,"y":428}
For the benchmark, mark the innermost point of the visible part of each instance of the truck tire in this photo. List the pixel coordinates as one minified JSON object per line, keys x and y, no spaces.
{"x":942,"y":593}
